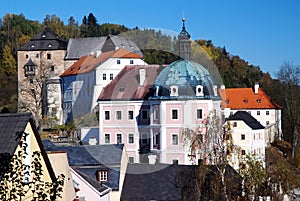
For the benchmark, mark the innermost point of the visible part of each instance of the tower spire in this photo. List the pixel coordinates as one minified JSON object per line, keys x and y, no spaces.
{"x":184,"y":42}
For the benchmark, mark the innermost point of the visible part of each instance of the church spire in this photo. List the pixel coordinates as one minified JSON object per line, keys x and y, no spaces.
{"x":184,"y":42}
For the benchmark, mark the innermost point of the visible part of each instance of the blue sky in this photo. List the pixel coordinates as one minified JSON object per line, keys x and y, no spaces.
{"x":263,"y":32}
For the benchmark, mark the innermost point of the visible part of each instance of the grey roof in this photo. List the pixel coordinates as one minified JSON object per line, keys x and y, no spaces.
{"x":78,"y":47}
{"x":144,"y":182}
{"x":45,"y":40}
{"x":86,"y":160}
{"x":89,"y":154}
{"x":11,"y":126}
{"x":89,"y":173}
{"x":154,"y":182}
{"x":248,"y":119}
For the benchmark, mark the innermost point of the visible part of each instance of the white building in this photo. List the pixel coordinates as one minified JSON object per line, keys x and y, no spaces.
{"x":83,"y":81}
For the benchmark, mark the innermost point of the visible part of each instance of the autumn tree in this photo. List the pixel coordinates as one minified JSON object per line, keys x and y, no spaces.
{"x":212,"y":143}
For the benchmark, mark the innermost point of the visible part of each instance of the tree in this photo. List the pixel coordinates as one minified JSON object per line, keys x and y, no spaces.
{"x":34,"y":92}
{"x":212,"y":143}
{"x":19,"y":178}
{"x":289,"y":78}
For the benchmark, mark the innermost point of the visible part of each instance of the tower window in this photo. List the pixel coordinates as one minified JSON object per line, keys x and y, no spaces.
{"x":199,"y":114}
{"x":48,"y":56}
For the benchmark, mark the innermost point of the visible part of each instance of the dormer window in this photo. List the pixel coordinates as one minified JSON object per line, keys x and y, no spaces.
{"x":199,"y":90}
{"x":32,"y":45}
{"x":49,"y":45}
{"x":258,"y":100}
{"x":102,"y":175}
{"x":174,"y":90}
{"x":29,"y":68}
{"x":43,"y":35}
{"x":245,"y":100}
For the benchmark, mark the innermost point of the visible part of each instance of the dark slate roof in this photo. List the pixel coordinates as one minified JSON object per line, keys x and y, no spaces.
{"x":126,"y":43}
{"x":10,"y":126}
{"x":45,"y":40}
{"x":248,"y":119}
{"x":153,"y":182}
{"x":89,"y":173}
{"x":89,"y":154}
{"x":144,"y":182}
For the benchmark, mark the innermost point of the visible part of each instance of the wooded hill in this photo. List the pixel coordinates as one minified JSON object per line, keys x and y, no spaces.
{"x":158,"y":48}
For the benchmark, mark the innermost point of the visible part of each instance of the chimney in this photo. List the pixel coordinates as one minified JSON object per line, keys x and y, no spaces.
{"x":256,"y":86}
{"x":222,"y":86}
{"x":142,"y":76}
{"x":98,"y":53}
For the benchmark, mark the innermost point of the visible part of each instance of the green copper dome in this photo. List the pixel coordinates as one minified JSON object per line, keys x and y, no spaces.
{"x":186,"y":76}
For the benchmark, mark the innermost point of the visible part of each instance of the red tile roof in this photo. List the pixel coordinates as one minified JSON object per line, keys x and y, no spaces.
{"x":126,"y":86}
{"x":245,"y":98}
{"x":88,"y":63}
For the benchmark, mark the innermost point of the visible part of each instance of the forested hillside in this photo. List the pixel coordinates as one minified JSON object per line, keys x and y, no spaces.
{"x":16,"y":30}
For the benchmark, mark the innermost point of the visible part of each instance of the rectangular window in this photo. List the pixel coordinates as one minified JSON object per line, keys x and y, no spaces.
{"x":199,"y":114}
{"x":107,"y":115}
{"x":174,"y":139}
{"x":131,"y":61}
{"x":119,"y":115}
{"x":52,"y":68}
{"x":118,"y":61}
{"x":267,"y":122}
{"x":145,"y":114}
{"x":111,"y":76}
{"x":130,"y":115}
{"x":131,"y":159}
{"x":103,"y":175}
{"x":155,"y":114}
{"x":130,"y":138}
{"x":119,"y":138}
{"x":174,"y":114}
{"x":48,"y":56}
{"x":243,"y":152}
{"x":234,"y":124}
{"x":26,"y":56}
{"x":104,"y":76}
{"x":145,"y":138}
{"x":243,"y":137}
{"x":107,"y":138}
{"x":175,"y":161}
{"x":37,"y":55}
{"x":267,"y":113}
{"x":258,"y":112}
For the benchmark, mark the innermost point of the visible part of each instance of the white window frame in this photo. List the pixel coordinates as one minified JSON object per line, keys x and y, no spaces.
{"x":129,"y":116}
{"x":105,"y":138}
{"x":104,"y":76}
{"x":117,"y":116}
{"x":108,"y":114}
{"x":117,"y":138}
{"x":174,"y":109}
{"x":129,"y":138}
{"x":133,"y":159}
{"x":201,"y":113}
{"x":103,"y":175}
{"x":177,"y":136}
{"x":111,"y":76}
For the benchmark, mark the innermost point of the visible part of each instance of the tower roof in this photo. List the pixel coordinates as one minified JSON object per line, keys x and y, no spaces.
{"x":184,"y":35}
{"x":186,"y":75}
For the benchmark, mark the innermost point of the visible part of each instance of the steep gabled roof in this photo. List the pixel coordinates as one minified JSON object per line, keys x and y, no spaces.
{"x":12,"y":125}
{"x":45,"y":40}
{"x":78,"y":47}
{"x":126,"y":84}
{"x":245,"y":98}
{"x":248,"y":119}
{"x":88,"y":63}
